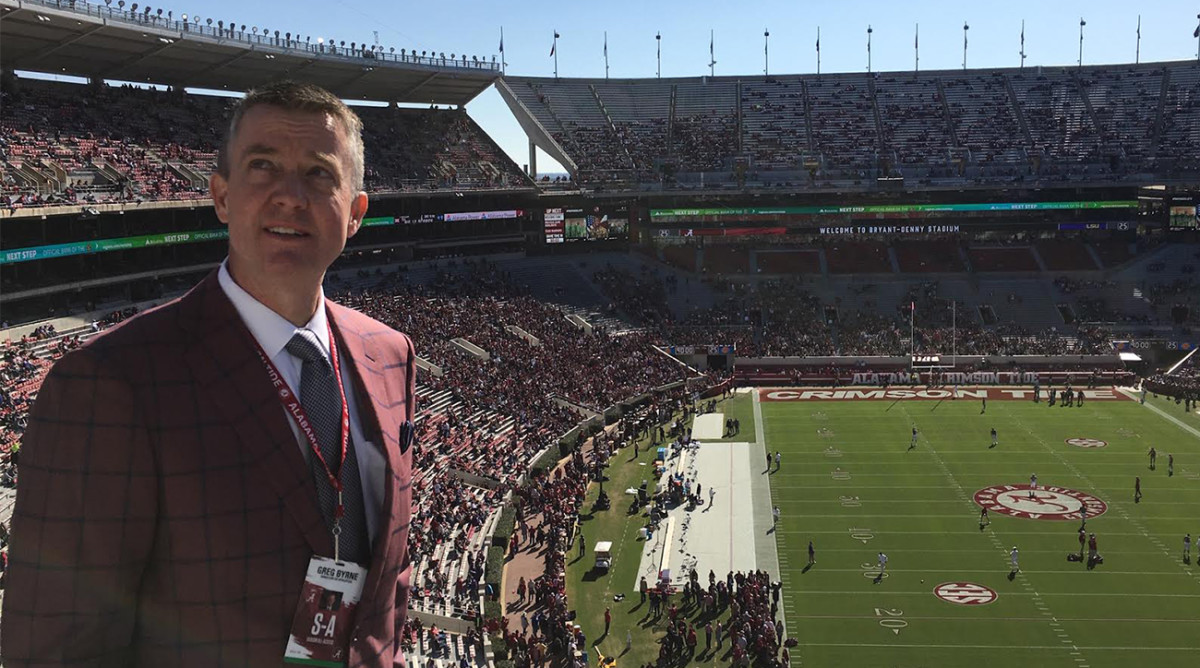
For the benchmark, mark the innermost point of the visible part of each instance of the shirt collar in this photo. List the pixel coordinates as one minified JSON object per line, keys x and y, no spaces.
{"x":271,"y":330}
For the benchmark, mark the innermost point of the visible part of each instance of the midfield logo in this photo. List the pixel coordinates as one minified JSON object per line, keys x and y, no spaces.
{"x":1045,"y":503}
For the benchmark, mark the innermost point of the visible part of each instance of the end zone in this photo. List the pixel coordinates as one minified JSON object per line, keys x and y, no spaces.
{"x":914,"y":394}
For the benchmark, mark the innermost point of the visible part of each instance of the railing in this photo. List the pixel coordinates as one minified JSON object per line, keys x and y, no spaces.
{"x":204,"y":26}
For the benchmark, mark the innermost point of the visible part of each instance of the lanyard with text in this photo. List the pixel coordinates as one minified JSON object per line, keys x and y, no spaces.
{"x":291,"y":404}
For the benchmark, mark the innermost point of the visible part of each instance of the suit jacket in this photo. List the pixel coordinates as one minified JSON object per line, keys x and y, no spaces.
{"x":166,"y":516}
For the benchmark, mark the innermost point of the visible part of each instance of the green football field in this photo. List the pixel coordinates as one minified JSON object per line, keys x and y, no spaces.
{"x":850,"y":483}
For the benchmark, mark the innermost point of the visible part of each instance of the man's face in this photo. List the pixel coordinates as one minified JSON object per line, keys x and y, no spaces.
{"x":289,"y":199}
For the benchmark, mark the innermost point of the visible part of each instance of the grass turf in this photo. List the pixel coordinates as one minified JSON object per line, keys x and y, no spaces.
{"x":1143,"y":603}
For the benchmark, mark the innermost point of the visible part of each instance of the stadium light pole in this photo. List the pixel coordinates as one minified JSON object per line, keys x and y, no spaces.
{"x":766,"y":53}
{"x":869,"y":31}
{"x":1082,"y":23}
{"x":965,"y":29}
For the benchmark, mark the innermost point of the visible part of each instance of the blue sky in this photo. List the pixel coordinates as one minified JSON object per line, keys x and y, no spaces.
{"x":1051,"y":36}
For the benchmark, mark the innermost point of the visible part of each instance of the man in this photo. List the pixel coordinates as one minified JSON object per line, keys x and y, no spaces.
{"x":913,"y":443}
{"x":984,"y":520}
{"x":1013,"y":557}
{"x":774,"y":517}
{"x":1153,"y":457}
{"x":995,"y":441}
{"x":883,"y":559}
{"x":777,"y":460}
{"x":1137,"y":489}
{"x":983,"y":407}
{"x":1187,"y":548}
{"x":1032,"y":485}
{"x":812,"y":554}
{"x":1170,"y":465}
{"x":174,"y":494}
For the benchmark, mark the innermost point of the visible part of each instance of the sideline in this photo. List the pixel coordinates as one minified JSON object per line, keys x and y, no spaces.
{"x":1170,"y":418}
{"x":766,"y":548}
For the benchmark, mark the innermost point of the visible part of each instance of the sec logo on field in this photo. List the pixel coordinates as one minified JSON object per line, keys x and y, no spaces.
{"x":965,"y":593}
{"x":1044,"y":503}
{"x":1086,"y":442}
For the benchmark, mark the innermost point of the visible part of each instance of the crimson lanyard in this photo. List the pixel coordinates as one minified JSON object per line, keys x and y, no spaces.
{"x":291,"y":404}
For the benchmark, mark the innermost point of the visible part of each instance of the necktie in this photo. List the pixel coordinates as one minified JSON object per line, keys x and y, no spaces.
{"x":322,"y":403}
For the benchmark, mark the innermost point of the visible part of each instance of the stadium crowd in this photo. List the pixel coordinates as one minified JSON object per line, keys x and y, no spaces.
{"x":129,"y":144}
{"x":1183,"y":383}
{"x":978,"y":127}
{"x":774,"y":318}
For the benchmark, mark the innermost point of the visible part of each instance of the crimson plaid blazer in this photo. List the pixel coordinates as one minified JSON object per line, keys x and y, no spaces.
{"x":166,"y":516}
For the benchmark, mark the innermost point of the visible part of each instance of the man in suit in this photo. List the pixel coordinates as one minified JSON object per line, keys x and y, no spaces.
{"x":170,"y":499}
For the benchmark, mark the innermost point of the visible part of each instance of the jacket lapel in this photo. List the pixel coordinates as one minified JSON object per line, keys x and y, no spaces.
{"x":230,"y":373}
{"x":367,"y":367}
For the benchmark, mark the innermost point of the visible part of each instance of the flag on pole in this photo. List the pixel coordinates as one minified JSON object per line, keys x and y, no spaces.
{"x":501,"y":42}
{"x":818,"y":41}
{"x":552,"y":47}
{"x":917,"y":39}
{"x":1022,"y":35}
{"x":1196,"y":32}
{"x":1139,"y":28}
{"x":710,"y":46}
{"x":605,"y":45}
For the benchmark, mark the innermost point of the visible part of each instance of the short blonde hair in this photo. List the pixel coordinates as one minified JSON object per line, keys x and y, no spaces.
{"x":296,"y":96}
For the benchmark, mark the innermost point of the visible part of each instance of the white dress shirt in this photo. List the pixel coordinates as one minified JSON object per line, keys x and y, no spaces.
{"x":273,"y":331}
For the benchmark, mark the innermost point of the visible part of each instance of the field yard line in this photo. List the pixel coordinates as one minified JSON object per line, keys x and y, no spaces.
{"x":927,"y":501}
{"x":1116,"y":505}
{"x":925,"y":592}
{"x":988,"y":551}
{"x":993,"y":620}
{"x":1004,"y":647}
{"x":1074,"y":571}
{"x":971,"y":532}
{"x":991,"y":533}
{"x":913,"y":475}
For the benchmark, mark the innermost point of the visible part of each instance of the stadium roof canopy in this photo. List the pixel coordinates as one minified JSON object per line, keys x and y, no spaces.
{"x":104,"y":42}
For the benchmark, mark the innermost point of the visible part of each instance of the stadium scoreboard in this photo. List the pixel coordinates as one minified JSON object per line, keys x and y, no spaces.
{"x":585,"y":223}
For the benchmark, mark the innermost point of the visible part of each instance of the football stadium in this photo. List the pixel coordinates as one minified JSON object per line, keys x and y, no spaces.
{"x":891,"y":367}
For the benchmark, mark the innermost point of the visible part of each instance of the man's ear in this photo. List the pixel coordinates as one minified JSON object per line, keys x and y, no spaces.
{"x":358,"y":211}
{"x":219,"y":188}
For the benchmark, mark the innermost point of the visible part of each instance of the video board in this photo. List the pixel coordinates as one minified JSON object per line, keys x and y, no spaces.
{"x":585,"y":223}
